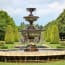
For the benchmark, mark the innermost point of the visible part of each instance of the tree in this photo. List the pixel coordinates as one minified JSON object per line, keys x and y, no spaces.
{"x":5,"y":20}
{"x":47,"y":32}
{"x":61,"y":22}
{"x":54,"y":34}
{"x":9,"y":35}
{"x":22,"y":26}
{"x":16,"y":34}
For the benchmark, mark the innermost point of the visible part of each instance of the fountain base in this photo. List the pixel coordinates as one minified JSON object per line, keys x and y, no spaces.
{"x":31,"y":47}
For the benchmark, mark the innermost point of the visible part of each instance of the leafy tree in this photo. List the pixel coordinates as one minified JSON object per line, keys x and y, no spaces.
{"x":5,"y":20}
{"x":61,"y":22}
{"x":9,"y":35}
{"x":16,"y":34}
{"x":22,"y":26}
{"x":55,"y":27}
{"x":52,"y":33}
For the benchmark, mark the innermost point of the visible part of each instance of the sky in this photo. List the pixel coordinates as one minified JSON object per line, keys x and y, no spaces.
{"x":47,"y":10}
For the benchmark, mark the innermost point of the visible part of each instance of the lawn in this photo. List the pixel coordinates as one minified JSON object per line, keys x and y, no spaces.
{"x":61,"y":44}
{"x":48,"y":63}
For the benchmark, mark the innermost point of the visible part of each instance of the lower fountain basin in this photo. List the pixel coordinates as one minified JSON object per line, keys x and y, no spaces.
{"x":19,"y":56}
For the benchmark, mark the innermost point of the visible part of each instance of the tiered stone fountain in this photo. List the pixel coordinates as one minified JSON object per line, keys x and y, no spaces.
{"x":31,"y":32}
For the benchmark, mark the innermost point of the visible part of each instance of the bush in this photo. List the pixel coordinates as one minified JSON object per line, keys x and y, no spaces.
{"x":53,"y":43}
{"x":9,"y":35}
{"x":4,"y":47}
{"x":60,"y":47}
{"x":9,"y":42}
{"x":52,"y":33}
{"x":2,"y":43}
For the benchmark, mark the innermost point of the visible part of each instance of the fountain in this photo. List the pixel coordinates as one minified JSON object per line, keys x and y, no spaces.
{"x":31,"y":33}
{"x":42,"y":54}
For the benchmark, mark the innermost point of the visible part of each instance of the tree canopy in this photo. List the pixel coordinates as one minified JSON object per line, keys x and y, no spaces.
{"x":5,"y":19}
{"x":55,"y":27}
{"x":7,"y":26}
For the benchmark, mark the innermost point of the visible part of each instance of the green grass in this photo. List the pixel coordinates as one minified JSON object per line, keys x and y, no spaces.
{"x":48,"y":63}
{"x":9,"y":46}
{"x":53,"y":45}
{"x":61,"y":44}
{"x":50,"y":45}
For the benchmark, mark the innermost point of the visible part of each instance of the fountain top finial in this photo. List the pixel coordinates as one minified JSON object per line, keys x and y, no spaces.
{"x":31,"y":10}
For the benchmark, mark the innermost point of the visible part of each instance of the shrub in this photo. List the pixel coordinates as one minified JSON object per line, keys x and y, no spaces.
{"x":60,"y":46}
{"x":4,"y":47}
{"x":53,"y":43}
{"x":9,"y":36}
{"x":2,"y":43}
{"x":9,"y":42}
